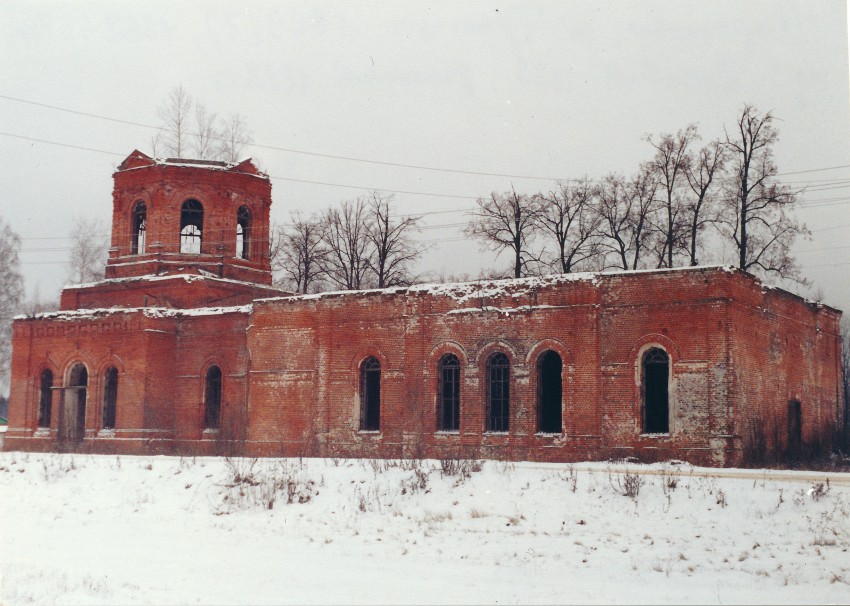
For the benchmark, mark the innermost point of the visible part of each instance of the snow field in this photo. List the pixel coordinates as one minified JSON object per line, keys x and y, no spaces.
{"x":83,"y":529}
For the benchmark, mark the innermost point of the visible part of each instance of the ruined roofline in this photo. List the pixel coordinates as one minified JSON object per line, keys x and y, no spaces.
{"x":149,"y":312}
{"x":175,"y":276}
{"x":462,"y":291}
{"x":139,"y":160}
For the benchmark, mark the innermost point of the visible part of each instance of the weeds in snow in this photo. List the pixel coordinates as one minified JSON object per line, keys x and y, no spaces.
{"x":628,"y":484}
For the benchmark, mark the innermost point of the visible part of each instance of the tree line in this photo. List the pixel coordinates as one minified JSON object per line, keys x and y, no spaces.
{"x":676,"y":210}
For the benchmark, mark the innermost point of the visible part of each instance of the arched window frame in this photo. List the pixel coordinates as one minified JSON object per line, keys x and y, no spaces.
{"x":72,"y":417}
{"x":191,"y":227}
{"x":448,"y":393}
{"x":243,"y":233}
{"x":139,"y":236}
{"x":110,"y":398}
{"x":550,"y":395}
{"x":655,"y":374}
{"x":213,"y":384}
{"x":370,"y":394}
{"x":45,"y":399}
{"x":498,"y":392}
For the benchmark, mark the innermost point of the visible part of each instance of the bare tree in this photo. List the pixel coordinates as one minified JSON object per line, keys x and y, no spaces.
{"x":626,"y":208}
{"x":235,"y":136}
{"x":346,"y":237}
{"x":506,"y":222}
{"x":393,"y":251}
{"x":206,"y":134}
{"x":703,"y":174}
{"x":11,"y":292}
{"x":89,"y":245}
{"x":758,"y":209}
{"x":298,"y":253}
{"x":175,"y":115}
{"x":569,"y":217}
{"x":670,"y":164}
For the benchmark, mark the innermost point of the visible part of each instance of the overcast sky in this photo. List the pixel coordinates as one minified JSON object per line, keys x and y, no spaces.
{"x":546,"y":89}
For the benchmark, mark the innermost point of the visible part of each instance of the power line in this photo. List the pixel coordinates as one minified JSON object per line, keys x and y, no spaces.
{"x":341,"y":157}
{"x":288,"y":149}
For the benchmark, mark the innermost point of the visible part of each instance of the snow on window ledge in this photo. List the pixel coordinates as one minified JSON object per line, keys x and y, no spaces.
{"x":41,"y":432}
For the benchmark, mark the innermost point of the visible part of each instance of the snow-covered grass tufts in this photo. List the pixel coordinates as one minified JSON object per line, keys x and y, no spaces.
{"x":83,"y":529}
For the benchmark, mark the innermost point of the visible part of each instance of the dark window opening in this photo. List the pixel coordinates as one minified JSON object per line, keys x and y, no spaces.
{"x":795,"y":428}
{"x":72,"y":420}
{"x":110,"y":397}
{"x":45,"y":398}
{"x":656,"y":396}
{"x":549,"y":393}
{"x":243,"y":225}
{"x":448,"y":415}
{"x":212,"y":398}
{"x":498,"y":393}
{"x":140,"y":215}
{"x":191,"y":227}
{"x":370,"y":395}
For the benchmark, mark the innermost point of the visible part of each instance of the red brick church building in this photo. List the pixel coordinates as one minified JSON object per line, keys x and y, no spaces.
{"x":186,"y":347}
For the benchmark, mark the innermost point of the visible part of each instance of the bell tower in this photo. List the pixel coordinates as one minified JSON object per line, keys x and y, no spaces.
{"x":185,"y":234}
{"x":205,"y":217}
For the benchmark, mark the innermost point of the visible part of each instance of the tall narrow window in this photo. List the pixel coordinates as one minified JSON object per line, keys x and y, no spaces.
{"x":448,"y":414}
{"x":370,"y":395}
{"x":549,"y":393}
{"x":212,"y":398}
{"x":656,"y":396}
{"x":45,"y":398}
{"x":110,"y":397}
{"x":243,"y":231}
{"x":140,"y":217}
{"x":72,"y":417}
{"x":498,"y":392}
{"x":191,"y":227}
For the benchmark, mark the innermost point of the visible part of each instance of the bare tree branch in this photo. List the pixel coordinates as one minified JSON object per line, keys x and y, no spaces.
{"x":393,"y":252}
{"x":346,"y":236}
{"x":506,"y":222}
{"x":11,"y":293}
{"x":88,"y":250}
{"x":174,"y":113}
{"x":568,"y":217}
{"x":298,"y":252}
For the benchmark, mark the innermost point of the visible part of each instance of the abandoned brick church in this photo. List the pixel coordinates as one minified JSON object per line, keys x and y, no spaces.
{"x":186,"y":347}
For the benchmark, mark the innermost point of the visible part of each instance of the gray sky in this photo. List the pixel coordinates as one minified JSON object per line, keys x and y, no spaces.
{"x":548,"y":89}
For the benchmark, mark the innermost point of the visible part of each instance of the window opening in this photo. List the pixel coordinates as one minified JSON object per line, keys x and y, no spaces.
{"x":656,"y":397}
{"x":191,"y":227}
{"x":243,"y":231}
{"x":448,"y":415}
{"x":212,"y":398}
{"x":72,"y":420}
{"x":549,"y":393}
{"x":110,"y":397}
{"x":140,"y":214}
{"x":370,"y":395}
{"x":45,"y":398}
{"x":498,"y":393}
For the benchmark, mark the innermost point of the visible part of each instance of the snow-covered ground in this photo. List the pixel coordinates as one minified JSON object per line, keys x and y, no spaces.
{"x":167,"y":530}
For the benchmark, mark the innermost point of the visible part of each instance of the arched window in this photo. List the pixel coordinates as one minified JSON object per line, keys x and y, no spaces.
{"x":45,"y":398}
{"x":110,"y":397}
{"x":72,"y":418}
{"x":370,"y":395}
{"x":549,"y":393}
{"x":498,"y":392}
{"x":212,"y":398}
{"x":655,"y":371}
{"x":191,"y":227}
{"x":448,"y":407}
{"x":243,"y":230}
{"x":140,"y":217}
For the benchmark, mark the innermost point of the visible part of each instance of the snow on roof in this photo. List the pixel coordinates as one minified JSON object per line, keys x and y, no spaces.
{"x":149,"y":312}
{"x":513,"y":287}
{"x":196,"y":163}
{"x":185,"y":277}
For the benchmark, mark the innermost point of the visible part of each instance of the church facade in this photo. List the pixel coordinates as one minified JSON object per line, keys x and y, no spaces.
{"x":187,"y":348}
